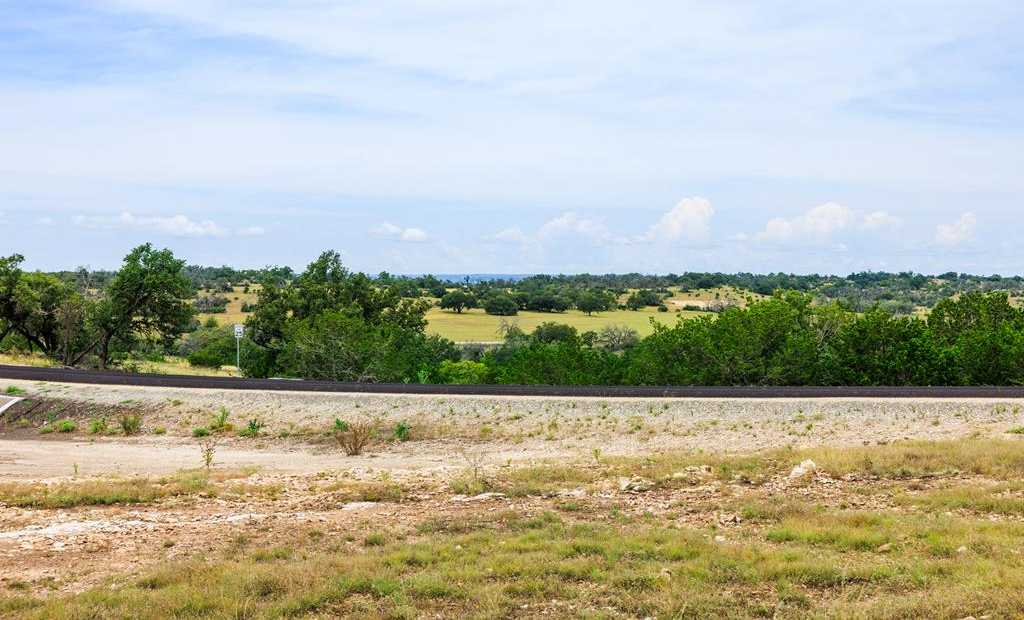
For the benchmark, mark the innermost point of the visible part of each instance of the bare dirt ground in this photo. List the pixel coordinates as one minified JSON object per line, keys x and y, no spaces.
{"x":294,"y":479}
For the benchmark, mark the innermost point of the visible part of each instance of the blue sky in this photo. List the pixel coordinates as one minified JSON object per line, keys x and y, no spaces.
{"x":510,"y":136}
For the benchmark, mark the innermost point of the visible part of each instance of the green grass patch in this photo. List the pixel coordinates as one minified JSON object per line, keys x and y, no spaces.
{"x":515,"y":565}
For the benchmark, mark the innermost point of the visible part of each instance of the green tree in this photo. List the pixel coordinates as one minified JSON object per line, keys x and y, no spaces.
{"x":148,"y":298}
{"x":591,"y":302}
{"x":501,"y":305}
{"x":284,"y":312}
{"x":457,"y":301}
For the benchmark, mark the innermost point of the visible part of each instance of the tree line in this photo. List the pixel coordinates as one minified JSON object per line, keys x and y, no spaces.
{"x":330,"y":323}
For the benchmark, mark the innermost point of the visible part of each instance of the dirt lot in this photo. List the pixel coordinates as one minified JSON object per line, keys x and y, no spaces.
{"x":84,"y":506}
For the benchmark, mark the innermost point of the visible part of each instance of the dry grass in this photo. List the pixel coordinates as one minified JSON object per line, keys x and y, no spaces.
{"x":477,"y":326}
{"x":795,"y":557}
{"x":26,"y":359}
{"x":234,"y":312}
{"x":118,"y":491}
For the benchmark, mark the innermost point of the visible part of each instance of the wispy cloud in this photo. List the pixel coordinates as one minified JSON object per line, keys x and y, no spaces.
{"x":388,"y":230}
{"x":142,"y":105}
{"x":173,"y":225}
{"x":251,"y":231}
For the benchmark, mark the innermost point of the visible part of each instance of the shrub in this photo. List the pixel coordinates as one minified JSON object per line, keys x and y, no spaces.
{"x":465,"y":372}
{"x":214,"y":304}
{"x":130,"y":423}
{"x":403,"y":432}
{"x":66,"y":426}
{"x":353,"y":438}
{"x":205,"y":358}
{"x":200,"y":431}
{"x":13,"y":390}
{"x":99,"y":426}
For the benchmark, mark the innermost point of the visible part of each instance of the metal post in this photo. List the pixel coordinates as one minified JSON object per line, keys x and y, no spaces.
{"x":239,"y":332}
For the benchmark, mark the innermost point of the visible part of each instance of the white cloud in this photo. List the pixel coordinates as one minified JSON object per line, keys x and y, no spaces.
{"x":817,"y":225}
{"x":508,"y":235}
{"x":46,"y":221}
{"x":689,"y":220}
{"x":880,"y":220}
{"x":570,"y":223}
{"x":251,"y":231}
{"x":821,"y":224}
{"x":174,"y":225}
{"x":959,"y":232}
{"x":390,"y":231}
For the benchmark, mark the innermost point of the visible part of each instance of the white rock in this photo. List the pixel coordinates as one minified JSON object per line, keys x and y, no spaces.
{"x":805,"y":468}
{"x":478,"y":498}
{"x":635,"y":484}
{"x":358,"y":505}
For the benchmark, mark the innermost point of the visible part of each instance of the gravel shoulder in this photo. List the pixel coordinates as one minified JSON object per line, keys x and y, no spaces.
{"x":447,"y":429}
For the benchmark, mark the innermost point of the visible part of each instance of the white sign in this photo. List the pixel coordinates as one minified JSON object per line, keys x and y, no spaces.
{"x":239,"y":331}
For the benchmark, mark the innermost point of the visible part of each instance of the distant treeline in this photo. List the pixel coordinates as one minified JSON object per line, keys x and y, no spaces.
{"x":900,"y":293}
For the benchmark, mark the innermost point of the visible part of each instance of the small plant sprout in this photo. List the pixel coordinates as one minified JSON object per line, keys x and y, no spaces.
{"x":208,"y":450}
{"x":253,"y":429}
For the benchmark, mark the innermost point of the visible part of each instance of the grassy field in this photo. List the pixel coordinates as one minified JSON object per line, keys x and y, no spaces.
{"x":477,"y":326}
{"x":881,"y":532}
{"x":234,"y":312}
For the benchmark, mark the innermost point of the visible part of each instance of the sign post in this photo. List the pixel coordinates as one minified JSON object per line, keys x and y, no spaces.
{"x":239,"y":332}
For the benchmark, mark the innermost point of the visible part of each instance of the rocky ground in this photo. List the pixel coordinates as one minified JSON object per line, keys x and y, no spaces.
{"x":293,"y":479}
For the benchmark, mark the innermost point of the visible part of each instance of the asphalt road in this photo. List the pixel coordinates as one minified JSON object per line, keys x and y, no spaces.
{"x":64,"y":375}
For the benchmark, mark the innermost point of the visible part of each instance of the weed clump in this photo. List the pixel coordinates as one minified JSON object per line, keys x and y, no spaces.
{"x":352,"y":437}
{"x":99,"y":426}
{"x":130,"y":423}
{"x":403,"y":432}
{"x":220,"y":423}
{"x":253,"y":429}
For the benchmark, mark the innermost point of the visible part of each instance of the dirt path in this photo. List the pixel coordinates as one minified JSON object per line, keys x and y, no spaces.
{"x":36,"y":459}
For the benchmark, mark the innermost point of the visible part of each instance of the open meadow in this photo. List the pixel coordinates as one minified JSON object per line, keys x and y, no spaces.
{"x":474,"y":325}
{"x":158,"y":502}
